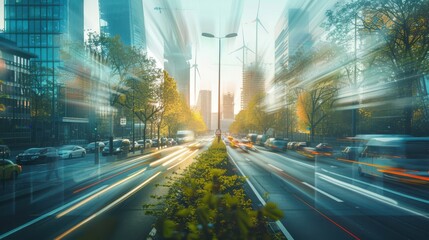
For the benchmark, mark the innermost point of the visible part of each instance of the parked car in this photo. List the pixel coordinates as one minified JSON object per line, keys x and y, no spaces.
{"x":136,"y":146}
{"x":164,"y":141}
{"x":155,"y":142}
{"x":4,"y":152}
{"x":146,"y":144}
{"x":9,"y":170}
{"x":71,"y":151}
{"x":36,"y":155}
{"x":91,"y":146}
{"x":120,"y":146}
{"x":172,"y":142}
{"x":274,"y":144}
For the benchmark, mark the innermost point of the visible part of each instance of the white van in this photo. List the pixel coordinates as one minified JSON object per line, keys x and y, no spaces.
{"x":404,"y":159}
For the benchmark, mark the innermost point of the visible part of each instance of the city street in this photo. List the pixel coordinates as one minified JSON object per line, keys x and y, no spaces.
{"x":86,"y":192}
{"x":327,"y":197}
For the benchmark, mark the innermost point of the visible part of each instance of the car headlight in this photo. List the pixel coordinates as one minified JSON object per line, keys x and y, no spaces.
{"x":118,"y":149}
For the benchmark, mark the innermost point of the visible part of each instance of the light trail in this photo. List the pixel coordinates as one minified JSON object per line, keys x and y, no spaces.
{"x":323,"y":192}
{"x":4,"y":235}
{"x":83,"y":202}
{"x":108,"y":207}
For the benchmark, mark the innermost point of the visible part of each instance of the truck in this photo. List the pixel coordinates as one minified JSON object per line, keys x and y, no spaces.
{"x":184,"y":136}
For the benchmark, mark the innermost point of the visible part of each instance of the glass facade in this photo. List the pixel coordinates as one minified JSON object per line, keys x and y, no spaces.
{"x":124,"y":18}
{"x":15,"y":116}
{"x":43,"y":27}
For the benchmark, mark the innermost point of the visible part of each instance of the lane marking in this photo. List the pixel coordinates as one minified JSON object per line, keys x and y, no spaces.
{"x":323,"y":192}
{"x":276,"y":168}
{"x":378,"y":187}
{"x":53,"y":212}
{"x":278,"y":223}
{"x":369,"y":194}
{"x":108,"y":207}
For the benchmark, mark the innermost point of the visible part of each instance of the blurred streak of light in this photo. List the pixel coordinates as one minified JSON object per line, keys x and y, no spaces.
{"x":50,"y":213}
{"x":323,"y":192}
{"x":108,"y":207}
{"x":173,"y":159}
{"x":359,"y":190}
{"x":378,"y":187}
{"x":157,"y":162}
{"x":190,"y":155}
{"x":370,"y":194}
{"x":83,"y":202}
{"x":111,"y":176}
{"x":403,"y":173}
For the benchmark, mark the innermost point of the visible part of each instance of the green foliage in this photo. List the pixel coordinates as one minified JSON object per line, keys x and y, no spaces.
{"x":207,"y":201}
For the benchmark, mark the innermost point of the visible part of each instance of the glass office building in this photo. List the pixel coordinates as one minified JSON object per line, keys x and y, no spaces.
{"x":124,"y":18}
{"x":43,"y":27}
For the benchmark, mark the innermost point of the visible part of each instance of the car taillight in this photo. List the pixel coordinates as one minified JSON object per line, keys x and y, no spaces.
{"x":20,"y":168}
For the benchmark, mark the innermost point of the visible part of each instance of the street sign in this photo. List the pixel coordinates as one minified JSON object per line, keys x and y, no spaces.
{"x":123,"y":121}
{"x":218,"y":132}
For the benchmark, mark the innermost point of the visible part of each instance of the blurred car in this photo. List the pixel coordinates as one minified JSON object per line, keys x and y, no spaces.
{"x":274,"y":144}
{"x":91,"y":146}
{"x":324,"y":149}
{"x":164,"y":141}
{"x":136,"y":146}
{"x":4,"y":152}
{"x":9,"y":170}
{"x":155,"y":142}
{"x":71,"y":151}
{"x":146,"y":144}
{"x":299,"y":146}
{"x":120,"y":146}
{"x":172,"y":142}
{"x":36,"y":155}
{"x":246,"y":145}
{"x":290,"y":145}
{"x":351,"y":153}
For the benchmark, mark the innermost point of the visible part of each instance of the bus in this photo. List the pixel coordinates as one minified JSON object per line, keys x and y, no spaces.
{"x":184,"y":136}
{"x":405,"y":159}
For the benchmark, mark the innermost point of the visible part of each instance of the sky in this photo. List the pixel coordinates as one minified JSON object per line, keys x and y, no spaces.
{"x":189,"y":18}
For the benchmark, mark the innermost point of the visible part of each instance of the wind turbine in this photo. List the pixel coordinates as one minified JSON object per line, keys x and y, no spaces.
{"x":257,"y":22}
{"x":244,"y":48}
{"x":195,"y":66}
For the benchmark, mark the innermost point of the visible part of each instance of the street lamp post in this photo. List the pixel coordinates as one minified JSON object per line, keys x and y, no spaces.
{"x":209,"y":35}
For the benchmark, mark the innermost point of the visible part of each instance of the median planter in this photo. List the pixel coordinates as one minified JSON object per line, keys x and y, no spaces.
{"x":207,"y":201}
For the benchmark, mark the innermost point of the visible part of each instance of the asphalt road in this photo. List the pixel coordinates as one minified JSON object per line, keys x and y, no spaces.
{"x":326,"y":199}
{"x":94,"y":201}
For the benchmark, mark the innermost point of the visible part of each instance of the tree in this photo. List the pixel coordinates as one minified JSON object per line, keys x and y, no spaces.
{"x":401,"y":31}
{"x":257,"y":117}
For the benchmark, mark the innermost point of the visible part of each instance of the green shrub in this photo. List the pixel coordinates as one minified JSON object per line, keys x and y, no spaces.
{"x":208,"y":201}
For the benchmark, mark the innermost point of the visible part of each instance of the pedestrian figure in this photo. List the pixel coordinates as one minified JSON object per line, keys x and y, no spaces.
{"x":52,"y":160}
